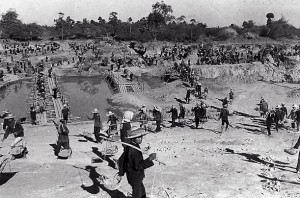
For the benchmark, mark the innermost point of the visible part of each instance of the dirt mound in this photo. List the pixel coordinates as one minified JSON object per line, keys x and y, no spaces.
{"x":244,"y":73}
{"x":294,"y":93}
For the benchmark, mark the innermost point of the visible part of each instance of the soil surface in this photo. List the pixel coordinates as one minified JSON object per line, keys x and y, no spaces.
{"x":241,"y":162}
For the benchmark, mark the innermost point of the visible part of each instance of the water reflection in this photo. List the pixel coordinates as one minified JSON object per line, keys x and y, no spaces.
{"x":85,"y":94}
{"x":14,"y":98}
{"x":82,"y":93}
{"x":89,"y":88}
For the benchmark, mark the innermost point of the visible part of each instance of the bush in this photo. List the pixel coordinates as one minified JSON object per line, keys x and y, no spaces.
{"x":227,"y":33}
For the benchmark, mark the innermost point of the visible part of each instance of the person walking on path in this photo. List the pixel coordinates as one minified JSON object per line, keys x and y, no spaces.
{"x":224,"y":116}
{"x":197,"y":113}
{"x":63,"y":135}
{"x":65,"y":112}
{"x":181,"y":114}
{"x":113,"y":121}
{"x":231,"y":96}
{"x":157,"y":117}
{"x":133,"y":164}
{"x":198,"y":89}
{"x":188,"y":96}
{"x":33,"y":115}
{"x":263,"y":107}
{"x":292,"y":115}
{"x":174,"y":115}
{"x":143,"y":116}
{"x":284,"y":110}
{"x":277,"y":117}
{"x":97,"y":125}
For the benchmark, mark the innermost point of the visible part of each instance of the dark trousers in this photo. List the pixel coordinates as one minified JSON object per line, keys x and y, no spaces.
{"x":97,"y":134}
{"x":276,"y":125}
{"x":269,"y":129}
{"x":173,"y":122}
{"x":33,"y":121}
{"x":138,"y":189}
{"x":197,"y":120}
{"x":227,"y":123}
{"x":65,"y":118}
{"x":158,"y":126}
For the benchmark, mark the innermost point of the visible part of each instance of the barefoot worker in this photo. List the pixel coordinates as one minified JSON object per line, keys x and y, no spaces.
{"x":133,"y":164}
{"x":224,"y":116}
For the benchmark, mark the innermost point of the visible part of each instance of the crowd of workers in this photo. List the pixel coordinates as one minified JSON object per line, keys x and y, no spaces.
{"x":132,"y":162}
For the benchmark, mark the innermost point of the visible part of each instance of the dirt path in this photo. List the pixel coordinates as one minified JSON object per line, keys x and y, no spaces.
{"x":200,"y":163}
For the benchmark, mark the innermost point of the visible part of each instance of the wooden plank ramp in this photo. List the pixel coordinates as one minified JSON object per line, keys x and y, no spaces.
{"x":124,"y":85}
{"x":56,"y":102}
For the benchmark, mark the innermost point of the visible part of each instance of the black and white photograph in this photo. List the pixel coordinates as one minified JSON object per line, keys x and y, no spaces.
{"x":149,"y":99}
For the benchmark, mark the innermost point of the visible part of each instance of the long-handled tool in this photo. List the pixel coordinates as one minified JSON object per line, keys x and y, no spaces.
{"x":127,"y":144}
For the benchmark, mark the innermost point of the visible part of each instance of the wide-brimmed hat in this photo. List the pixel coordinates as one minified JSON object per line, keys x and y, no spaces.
{"x":10,"y":115}
{"x":5,"y":111}
{"x":95,"y":111}
{"x":277,"y":107}
{"x":65,"y":105}
{"x":110,"y":113}
{"x":156,"y":108}
{"x":136,"y":132}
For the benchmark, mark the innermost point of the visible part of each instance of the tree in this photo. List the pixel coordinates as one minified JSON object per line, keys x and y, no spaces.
{"x":101,"y":20}
{"x":163,"y":9}
{"x":193,"y":21}
{"x":10,"y":23}
{"x":270,"y":16}
{"x":60,"y":23}
{"x":113,"y":21}
{"x":248,"y":25}
{"x":181,"y":19}
{"x":158,"y":18}
{"x":34,"y":30}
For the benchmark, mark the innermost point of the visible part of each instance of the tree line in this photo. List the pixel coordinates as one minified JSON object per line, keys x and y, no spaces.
{"x":160,"y":24}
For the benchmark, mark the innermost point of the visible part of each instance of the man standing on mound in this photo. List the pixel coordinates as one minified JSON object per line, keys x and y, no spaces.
{"x":224,"y":116}
{"x":133,"y":164}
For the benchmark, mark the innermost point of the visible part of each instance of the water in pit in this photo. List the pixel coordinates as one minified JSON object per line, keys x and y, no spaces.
{"x":15,"y":98}
{"x":82,"y":93}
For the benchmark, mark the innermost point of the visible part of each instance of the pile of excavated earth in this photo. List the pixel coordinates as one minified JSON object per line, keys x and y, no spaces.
{"x":240,"y":162}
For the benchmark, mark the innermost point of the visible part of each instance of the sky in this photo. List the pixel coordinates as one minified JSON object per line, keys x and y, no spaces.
{"x":212,"y":12}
